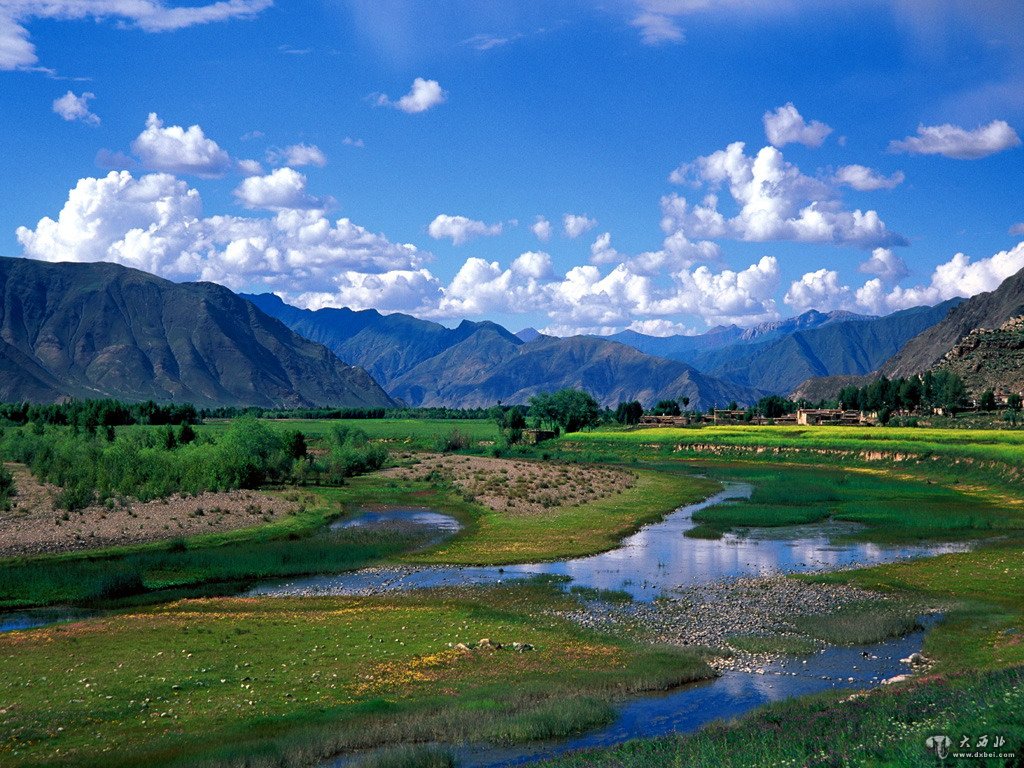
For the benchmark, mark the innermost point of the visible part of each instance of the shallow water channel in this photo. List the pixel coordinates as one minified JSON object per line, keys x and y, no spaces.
{"x":650,"y":563}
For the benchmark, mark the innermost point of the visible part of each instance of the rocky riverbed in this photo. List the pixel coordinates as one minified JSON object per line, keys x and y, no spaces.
{"x":713,"y":615}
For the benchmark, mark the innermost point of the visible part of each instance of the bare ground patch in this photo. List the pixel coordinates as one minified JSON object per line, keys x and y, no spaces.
{"x":520,"y":487}
{"x":34,"y":524}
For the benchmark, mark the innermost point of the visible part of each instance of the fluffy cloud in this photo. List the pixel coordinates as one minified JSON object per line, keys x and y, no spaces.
{"x":461,"y":229}
{"x":959,"y":143}
{"x":886,"y":265}
{"x":297,"y":155}
{"x":283,"y":188}
{"x":786,"y":126}
{"x":541,"y":227}
{"x":820,"y":290}
{"x":776,"y":200}
{"x":960,"y":276}
{"x":156,"y":223}
{"x":575,"y":225}
{"x":864,"y":179}
{"x":601,"y":251}
{"x":1017,"y":229}
{"x":174,"y":149}
{"x":72,"y":108}
{"x":18,"y":52}
{"x":729,"y":296}
{"x":481,"y":287}
{"x":957,"y":277}
{"x":423,"y":95}
{"x":399,"y":290}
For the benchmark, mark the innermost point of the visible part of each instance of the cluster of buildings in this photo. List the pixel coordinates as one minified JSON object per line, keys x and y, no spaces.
{"x":805,"y":417}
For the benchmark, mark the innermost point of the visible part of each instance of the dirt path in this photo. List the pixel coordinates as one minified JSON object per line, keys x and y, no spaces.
{"x":34,"y":525}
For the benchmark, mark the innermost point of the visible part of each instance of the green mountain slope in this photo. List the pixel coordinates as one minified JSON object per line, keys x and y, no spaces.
{"x":102,"y":330}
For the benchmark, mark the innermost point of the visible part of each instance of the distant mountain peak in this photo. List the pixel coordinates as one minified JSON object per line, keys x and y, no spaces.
{"x":528,"y":334}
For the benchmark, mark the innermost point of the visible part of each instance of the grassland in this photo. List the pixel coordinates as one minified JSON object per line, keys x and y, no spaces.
{"x":283,"y":682}
{"x":892,"y":507}
{"x":422,"y":434}
{"x":496,"y":538}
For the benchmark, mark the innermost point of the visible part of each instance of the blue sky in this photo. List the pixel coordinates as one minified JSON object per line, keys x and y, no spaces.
{"x":345,"y":153}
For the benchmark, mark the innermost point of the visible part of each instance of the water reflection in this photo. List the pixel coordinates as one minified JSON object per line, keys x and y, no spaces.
{"x":656,"y":560}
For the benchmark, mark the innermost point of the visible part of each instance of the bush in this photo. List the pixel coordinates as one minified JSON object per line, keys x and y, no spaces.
{"x":456,"y":440}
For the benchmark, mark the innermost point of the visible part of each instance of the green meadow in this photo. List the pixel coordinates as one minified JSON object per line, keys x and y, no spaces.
{"x":224,"y":681}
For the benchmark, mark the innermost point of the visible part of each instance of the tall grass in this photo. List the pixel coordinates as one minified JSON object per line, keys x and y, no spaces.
{"x":89,"y":580}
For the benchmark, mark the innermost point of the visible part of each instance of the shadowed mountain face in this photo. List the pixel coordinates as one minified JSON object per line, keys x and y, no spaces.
{"x":849,"y":347}
{"x":102,"y":330}
{"x":986,"y":310}
{"x":478,"y":364}
{"x":689,"y":349}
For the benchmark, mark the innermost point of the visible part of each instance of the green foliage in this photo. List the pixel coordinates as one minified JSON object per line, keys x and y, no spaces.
{"x":629,"y":413}
{"x":987,"y":401}
{"x":90,"y":414}
{"x":456,"y":440}
{"x":154,"y":463}
{"x":667,"y":408}
{"x":6,"y":488}
{"x":569,"y":409}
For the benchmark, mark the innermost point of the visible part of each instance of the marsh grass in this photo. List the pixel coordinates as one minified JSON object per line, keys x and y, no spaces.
{"x":860,"y":623}
{"x":886,"y":727}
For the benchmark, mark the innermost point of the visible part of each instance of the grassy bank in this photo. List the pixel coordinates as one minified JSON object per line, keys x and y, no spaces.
{"x":886,"y":727}
{"x":295,"y":545}
{"x":218,"y":682}
{"x":891,"y":507}
{"x":496,"y":538}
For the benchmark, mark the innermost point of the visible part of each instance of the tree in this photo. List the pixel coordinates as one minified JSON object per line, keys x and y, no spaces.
{"x":987,"y":401}
{"x":667,"y":408}
{"x":569,"y":409}
{"x":629,"y":413}
{"x":1015,"y":402}
{"x":297,"y":447}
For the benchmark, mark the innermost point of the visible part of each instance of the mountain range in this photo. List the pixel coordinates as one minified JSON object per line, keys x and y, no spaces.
{"x":103,"y":330}
{"x":984,"y":310}
{"x":478,"y":364}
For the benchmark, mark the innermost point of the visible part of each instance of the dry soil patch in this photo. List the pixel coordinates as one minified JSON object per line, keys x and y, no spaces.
{"x":34,"y":524}
{"x":520,"y":487}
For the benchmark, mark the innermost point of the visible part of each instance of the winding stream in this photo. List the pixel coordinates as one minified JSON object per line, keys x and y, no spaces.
{"x":654,"y":561}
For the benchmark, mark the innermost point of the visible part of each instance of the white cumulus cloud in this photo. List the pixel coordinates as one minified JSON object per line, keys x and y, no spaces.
{"x":959,"y":143}
{"x":575,"y":225}
{"x":461,"y":229}
{"x":156,"y":223}
{"x":174,"y":149}
{"x":786,"y":126}
{"x":76,"y":108}
{"x":865,"y":179}
{"x":423,"y":95}
{"x":776,"y":200}
{"x":886,"y":265}
{"x":282,"y":188}
{"x":541,"y":228}
{"x":297,"y":155}
{"x":821,"y":290}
